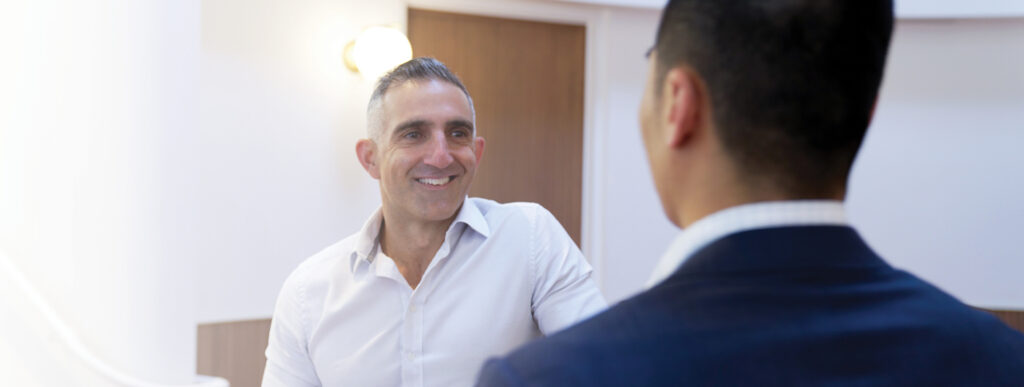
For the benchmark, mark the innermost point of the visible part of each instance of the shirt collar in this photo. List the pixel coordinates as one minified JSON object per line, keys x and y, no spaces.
{"x":470,"y":215}
{"x":743,"y":218}
{"x":367,"y":239}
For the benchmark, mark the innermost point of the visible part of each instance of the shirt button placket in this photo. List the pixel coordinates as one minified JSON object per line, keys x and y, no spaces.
{"x":412,"y":345}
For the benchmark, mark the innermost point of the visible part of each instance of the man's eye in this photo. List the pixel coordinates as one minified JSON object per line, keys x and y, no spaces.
{"x":411,"y":135}
{"x":460,"y":133}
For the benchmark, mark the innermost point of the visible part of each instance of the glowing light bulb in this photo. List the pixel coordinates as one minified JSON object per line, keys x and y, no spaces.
{"x":377,"y":50}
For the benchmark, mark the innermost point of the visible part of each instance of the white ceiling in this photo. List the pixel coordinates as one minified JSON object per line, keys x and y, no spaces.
{"x":913,"y":9}
{"x":650,"y":4}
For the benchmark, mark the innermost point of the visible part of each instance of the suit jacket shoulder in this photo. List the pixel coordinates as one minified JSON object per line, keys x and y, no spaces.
{"x":784,"y":306}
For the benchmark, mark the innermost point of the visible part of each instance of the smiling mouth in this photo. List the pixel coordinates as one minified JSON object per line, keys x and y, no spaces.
{"x":436,"y":181}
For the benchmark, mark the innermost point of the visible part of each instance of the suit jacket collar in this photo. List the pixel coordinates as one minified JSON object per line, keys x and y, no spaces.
{"x":783,"y":249}
{"x":741,"y":218}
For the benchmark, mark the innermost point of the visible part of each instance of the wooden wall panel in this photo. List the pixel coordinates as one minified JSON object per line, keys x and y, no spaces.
{"x":526,"y":79}
{"x":234,"y":351}
{"x":1013,"y":318}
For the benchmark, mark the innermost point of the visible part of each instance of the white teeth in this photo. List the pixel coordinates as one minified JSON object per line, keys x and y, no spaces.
{"x":441,"y":181}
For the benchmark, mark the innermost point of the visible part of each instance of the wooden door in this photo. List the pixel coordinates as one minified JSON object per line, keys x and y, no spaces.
{"x":526,"y":79}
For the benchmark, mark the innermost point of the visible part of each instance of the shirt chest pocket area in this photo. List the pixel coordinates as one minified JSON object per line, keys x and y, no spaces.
{"x":486,"y":318}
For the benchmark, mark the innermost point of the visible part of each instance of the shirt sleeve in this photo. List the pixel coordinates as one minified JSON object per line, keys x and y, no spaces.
{"x":288,"y":361}
{"x":564,"y":291}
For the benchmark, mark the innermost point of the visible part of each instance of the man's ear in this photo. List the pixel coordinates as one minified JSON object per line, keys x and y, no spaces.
{"x":366,"y":151}
{"x":478,"y":148}
{"x":683,"y":102}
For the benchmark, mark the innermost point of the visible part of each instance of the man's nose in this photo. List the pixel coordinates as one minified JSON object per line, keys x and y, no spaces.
{"x":440,"y":156}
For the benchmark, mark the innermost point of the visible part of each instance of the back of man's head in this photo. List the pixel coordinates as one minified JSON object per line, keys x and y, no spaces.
{"x":791,"y":83}
{"x":416,"y":69}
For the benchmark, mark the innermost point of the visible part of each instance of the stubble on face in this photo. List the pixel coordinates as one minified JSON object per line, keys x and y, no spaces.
{"x":428,"y":153}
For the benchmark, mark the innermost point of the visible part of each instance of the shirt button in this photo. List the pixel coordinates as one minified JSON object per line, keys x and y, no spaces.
{"x":410,"y":355}
{"x":412,"y":308}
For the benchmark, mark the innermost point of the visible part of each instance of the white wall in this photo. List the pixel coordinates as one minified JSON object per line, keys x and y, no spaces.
{"x":904,"y":8}
{"x":92,"y":92}
{"x":170,"y":163}
{"x":272,"y":176}
{"x":938,"y":185}
{"x":936,"y":188}
{"x":636,"y":232}
{"x":959,"y":8}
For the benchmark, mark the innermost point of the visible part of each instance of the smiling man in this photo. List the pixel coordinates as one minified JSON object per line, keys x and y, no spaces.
{"x":435,"y":282}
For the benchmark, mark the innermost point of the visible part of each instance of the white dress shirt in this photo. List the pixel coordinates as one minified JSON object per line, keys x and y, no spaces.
{"x":743,"y":218}
{"x":505,"y":274}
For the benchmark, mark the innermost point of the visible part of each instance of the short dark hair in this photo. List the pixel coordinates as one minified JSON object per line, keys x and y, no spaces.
{"x":792,"y":83}
{"x":421,"y":68}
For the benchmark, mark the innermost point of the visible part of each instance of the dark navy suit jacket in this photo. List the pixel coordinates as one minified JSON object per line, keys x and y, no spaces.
{"x":787,"y":306}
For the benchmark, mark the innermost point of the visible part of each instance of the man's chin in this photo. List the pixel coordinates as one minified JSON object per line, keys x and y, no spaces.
{"x":441,"y":211}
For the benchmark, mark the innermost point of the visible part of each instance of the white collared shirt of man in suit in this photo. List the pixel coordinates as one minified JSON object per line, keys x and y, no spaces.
{"x":744,"y":217}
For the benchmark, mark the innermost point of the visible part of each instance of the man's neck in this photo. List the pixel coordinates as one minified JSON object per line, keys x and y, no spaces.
{"x":411,"y":244}
{"x":716,"y":198}
{"x":718,"y":186}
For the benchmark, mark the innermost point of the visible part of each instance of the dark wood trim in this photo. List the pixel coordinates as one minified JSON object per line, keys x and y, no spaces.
{"x":1013,"y":318}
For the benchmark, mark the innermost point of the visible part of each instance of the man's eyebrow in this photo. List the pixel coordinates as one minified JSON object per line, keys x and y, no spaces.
{"x":410,"y":124}
{"x":459,"y":123}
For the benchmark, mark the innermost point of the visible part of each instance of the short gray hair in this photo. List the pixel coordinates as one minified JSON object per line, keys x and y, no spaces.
{"x":423,"y":68}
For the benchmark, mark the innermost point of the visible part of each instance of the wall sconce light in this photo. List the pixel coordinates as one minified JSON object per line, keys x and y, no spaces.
{"x":376,"y":51}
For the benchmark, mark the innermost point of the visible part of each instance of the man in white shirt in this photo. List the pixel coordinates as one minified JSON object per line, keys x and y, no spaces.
{"x":435,"y":282}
